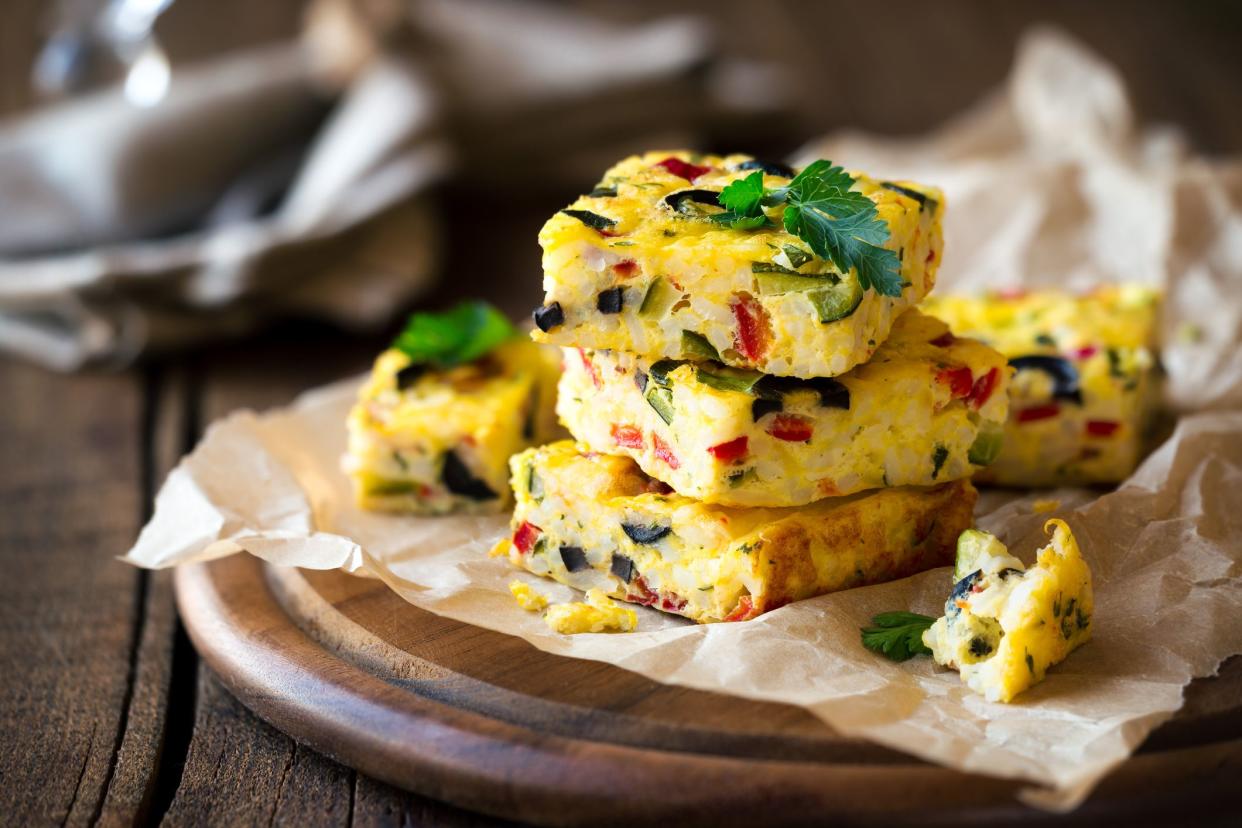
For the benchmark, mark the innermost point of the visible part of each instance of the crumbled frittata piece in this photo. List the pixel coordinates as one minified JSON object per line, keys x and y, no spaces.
{"x":639,"y":265}
{"x":1005,"y":625}
{"x":434,"y":441}
{"x":1082,"y":394}
{"x":927,"y":408}
{"x":527,"y":597}
{"x":598,"y":615}
{"x":598,"y":522}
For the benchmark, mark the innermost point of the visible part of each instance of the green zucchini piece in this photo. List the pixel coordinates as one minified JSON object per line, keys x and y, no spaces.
{"x":838,"y":301}
{"x":987,"y":445}
{"x":771,"y":282}
{"x":796,"y":255}
{"x":382,"y":488}
{"x":661,"y":399}
{"x":696,"y":346}
{"x":660,"y":296}
{"x":723,"y":378}
{"x":660,"y":369}
{"x":771,"y":267}
{"x":973,"y":548}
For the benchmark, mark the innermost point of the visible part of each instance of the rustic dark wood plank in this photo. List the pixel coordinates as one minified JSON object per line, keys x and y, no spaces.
{"x":378,"y":805}
{"x":241,"y":771}
{"x":71,"y":617}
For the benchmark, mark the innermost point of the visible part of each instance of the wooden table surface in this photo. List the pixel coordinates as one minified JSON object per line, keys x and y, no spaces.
{"x":106,"y":714}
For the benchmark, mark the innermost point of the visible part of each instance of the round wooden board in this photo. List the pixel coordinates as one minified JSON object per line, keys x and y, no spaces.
{"x":487,"y":722}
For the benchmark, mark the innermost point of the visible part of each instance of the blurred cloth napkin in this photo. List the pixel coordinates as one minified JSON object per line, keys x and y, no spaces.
{"x":273,"y":183}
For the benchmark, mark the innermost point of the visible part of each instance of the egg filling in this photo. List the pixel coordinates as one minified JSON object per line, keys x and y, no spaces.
{"x":638,"y":265}
{"x":1082,"y":393}
{"x":598,"y":522}
{"x":927,"y":408}
{"x":1004,"y":625}
{"x":425,"y":441}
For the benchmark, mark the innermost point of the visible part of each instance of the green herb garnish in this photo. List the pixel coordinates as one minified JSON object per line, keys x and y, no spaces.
{"x":842,"y":225}
{"x":897,"y":635}
{"x":743,"y":203}
{"x":839,"y":224}
{"x":938,"y":457}
{"x":463,"y":334}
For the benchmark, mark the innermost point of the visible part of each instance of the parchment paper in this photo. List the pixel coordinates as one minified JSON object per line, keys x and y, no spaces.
{"x":1046,"y":184}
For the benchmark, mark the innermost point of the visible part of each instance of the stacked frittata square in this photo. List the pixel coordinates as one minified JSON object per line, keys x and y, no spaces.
{"x":760,"y":414}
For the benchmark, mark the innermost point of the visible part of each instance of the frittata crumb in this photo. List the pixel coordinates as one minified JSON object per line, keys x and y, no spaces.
{"x":598,"y":614}
{"x":527,"y":597}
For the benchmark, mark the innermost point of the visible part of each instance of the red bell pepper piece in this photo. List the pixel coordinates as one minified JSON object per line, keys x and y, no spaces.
{"x":745,"y":606}
{"x":1102,"y":428}
{"x":944,"y":340}
{"x":683,"y":169}
{"x":525,"y":536}
{"x":590,"y":367}
{"x":730,"y":451}
{"x":753,"y":327}
{"x":959,"y":380}
{"x":627,"y":436}
{"x":664,"y":451}
{"x":982,"y":390}
{"x":1038,"y":412}
{"x":791,"y":427}
{"x":626,"y":269}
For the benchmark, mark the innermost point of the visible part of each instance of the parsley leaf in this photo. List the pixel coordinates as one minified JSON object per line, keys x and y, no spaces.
{"x":743,"y":202}
{"x":744,"y":196}
{"x":842,"y":225}
{"x":897,"y":635}
{"x":463,"y":334}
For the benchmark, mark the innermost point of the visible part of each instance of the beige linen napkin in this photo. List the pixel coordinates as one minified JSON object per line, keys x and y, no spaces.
{"x":257,"y":189}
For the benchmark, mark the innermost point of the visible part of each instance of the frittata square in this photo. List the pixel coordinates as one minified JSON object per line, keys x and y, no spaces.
{"x":927,"y":408}
{"x":1082,"y":396}
{"x":597,"y":521}
{"x":639,"y":265}
{"x":427,"y":441}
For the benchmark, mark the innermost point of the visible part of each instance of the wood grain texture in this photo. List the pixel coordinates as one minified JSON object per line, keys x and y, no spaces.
{"x":453,"y":712}
{"x":73,"y":619}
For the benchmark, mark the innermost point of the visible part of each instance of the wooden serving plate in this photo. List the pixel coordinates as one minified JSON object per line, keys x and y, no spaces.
{"x":485,"y":721}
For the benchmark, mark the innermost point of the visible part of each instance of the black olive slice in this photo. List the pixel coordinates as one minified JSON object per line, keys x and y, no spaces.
{"x":611,"y":300}
{"x":763,"y":406}
{"x":593,"y":220}
{"x":458,"y":480}
{"x":768,"y":167}
{"x":645,"y":534}
{"x":1065,"y":383}
{"x":963,"y":586}
{"x":832,"y":394}
{"x":622,"y":567}
{"x":921,"y":198}
{"x":677,"y":201}
{"x":574,"y":558}
{"x":549,"y":316}
{"x":409,"y":375}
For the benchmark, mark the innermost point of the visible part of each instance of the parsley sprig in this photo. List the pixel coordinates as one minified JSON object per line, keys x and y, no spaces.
{"x":897,"y":635}
{"x":838,"y":223}
{"x":463,"y":334}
